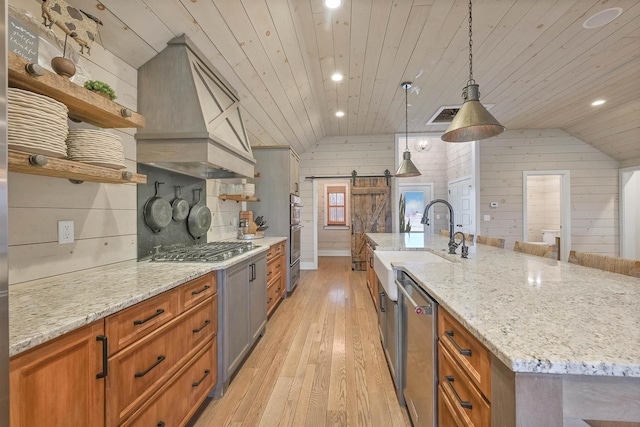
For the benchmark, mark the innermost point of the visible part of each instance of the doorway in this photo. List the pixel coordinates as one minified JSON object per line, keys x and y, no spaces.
{"x":546,"y":209}
{"x":630,"y":213}
{"x":462,"y":199}
{"x":416,"y":197}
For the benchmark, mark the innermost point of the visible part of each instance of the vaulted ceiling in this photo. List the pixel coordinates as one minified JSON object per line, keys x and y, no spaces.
{"x":532,"y":58}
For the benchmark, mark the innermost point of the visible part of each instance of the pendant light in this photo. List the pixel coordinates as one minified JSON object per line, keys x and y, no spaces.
{"x":406,"y":168}
{"x":473,"y":122}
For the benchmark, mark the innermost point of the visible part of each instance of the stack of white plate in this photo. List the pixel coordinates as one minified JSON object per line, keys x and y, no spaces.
{"x":96,"y":147}
{"x":249,"y":190}
{"x":37,"y":123}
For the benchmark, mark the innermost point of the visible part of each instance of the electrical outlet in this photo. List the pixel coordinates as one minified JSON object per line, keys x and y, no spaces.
{"x":65,"y":232}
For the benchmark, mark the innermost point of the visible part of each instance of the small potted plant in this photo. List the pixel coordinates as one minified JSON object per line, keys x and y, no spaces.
{"x":101,"y":88}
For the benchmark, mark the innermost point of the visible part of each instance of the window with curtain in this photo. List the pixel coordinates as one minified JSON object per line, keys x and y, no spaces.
{"x":336,"y":205}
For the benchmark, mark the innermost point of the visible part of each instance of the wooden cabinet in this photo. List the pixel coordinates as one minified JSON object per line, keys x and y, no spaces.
{"x":294,"y":173}
{"x":276,"y":276}
{"x":139,"y":370}
{"x":112,"y":371}
{"x":258,"y":297}
{"x":371,"y":277}
{"x":464,"y":375}
{"x":60,"y":383}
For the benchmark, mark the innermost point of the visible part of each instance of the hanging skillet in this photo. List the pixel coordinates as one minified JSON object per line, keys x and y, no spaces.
{"x":199,"y":219}
{"x":180,"y":206}
{"x":157,"y":211}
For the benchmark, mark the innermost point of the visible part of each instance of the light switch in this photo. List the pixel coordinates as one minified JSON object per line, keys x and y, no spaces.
{"x":437,"y":216}
{"x":487,"y":217}
{"x":493,"y":204}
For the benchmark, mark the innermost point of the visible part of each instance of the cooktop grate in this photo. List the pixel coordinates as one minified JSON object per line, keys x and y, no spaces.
{"x":210,"y":252}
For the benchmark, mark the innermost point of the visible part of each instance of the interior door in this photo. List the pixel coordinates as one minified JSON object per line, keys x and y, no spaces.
{"x":461,"y":197}
{"x":370,"y":213}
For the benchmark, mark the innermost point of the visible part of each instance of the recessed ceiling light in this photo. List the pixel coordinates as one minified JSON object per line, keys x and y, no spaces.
{"x":332,"y":4}
{"x":602,"y":18}
{"x":336,"y":77}
{"x":339,"y":113}
{"x":598,"y":102}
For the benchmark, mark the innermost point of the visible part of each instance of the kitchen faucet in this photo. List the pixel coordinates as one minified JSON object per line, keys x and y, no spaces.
{"x":425,"y":220}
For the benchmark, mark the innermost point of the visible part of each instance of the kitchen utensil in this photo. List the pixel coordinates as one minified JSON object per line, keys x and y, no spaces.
{"x":157,"y":211}
{"x":199,"y":219}
{"x":263,"y":227}
{"x":180,"y":206}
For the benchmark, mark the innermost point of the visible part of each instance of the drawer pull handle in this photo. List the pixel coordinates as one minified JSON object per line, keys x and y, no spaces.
{"x":206,"y":374}
{"x":156,"y":314}
{"x":270,"y":299}
{"x":269,"y":273}
{"x":463,"y":403}
{"x":206,"y":323}
{"x":105,"y":355}
{"x":462,"y":351}
{"x":161,"y":424}
{"x":146,"y":371}
{"x":278,"y":266}
{"x":201,"y":290}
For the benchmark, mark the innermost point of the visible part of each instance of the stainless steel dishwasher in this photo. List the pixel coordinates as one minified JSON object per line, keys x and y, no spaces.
{"x":418,"y":345}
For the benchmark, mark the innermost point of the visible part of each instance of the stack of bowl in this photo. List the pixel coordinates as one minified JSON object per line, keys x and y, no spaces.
{"x":249,"y":190}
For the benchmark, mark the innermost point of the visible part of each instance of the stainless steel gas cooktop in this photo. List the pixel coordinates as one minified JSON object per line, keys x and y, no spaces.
{"x":210,"y":252}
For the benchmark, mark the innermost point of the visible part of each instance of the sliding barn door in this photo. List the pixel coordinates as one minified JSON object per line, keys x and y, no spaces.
{"x":370,"y":213}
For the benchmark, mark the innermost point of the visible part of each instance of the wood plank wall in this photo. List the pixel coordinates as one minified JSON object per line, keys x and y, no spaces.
{"x":459,"y":160}
{"x":594,"y":186}
{"x":339,"y":155}
{"x":104,"y":215}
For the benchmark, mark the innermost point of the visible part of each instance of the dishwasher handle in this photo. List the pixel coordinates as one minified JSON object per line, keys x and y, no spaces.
{"x":424,"y":310}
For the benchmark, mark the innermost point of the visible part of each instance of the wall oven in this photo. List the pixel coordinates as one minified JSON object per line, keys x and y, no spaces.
{"x":294,"y":241}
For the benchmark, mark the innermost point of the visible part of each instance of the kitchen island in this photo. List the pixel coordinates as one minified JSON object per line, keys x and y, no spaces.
{"x":569,"y":335}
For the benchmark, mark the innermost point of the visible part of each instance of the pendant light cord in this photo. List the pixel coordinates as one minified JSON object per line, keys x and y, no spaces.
{"x":471,"y":81}
{"x":406,"y":120}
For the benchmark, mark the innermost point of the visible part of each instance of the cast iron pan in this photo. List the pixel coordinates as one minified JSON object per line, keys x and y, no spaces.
{"x":199,"y":219}
{"x":180,"y":206}
{"x":157,"y":212}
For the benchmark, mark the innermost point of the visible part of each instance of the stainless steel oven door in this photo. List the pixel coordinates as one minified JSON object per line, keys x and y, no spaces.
{"x":295,"y":244}
{"x":295,"y":214}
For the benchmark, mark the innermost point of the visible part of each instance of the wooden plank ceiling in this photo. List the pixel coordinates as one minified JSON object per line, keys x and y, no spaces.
{"x":533,"y":60}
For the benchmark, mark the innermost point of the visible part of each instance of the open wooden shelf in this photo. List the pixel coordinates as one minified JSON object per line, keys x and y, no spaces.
{"x":238,"y":198}
{"x":20,"y":162}
{"x":83,"y":104}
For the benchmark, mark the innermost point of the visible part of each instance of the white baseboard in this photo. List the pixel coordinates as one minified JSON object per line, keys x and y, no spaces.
{"x":334,"y":253}
{"x":308,"y":266}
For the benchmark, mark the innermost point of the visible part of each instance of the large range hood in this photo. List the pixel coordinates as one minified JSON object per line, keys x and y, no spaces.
{"x":193,"y":121}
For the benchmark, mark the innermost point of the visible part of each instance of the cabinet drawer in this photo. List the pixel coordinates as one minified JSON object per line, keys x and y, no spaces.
{"x":275,"y":251}
{"x":197,"y":290}
{"x":447,"y":413}
{"x":462,"y":393}
{"x":131,"y":324}
{"x":272,"y":297}
{"x":273,"y":267}
{"x":472,"y":356}
{"x":174,"y":404}
{"x":140,"y":369}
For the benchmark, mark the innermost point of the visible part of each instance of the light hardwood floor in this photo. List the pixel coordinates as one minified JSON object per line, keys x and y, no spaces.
{"x":319,"y":363}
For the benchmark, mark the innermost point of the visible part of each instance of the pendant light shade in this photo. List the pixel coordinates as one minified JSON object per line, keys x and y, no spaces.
{"x":406,"y":168}
{"x":473,"y":122}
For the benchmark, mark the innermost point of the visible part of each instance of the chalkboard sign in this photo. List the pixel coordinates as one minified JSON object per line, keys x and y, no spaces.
{"x":23,"y":40}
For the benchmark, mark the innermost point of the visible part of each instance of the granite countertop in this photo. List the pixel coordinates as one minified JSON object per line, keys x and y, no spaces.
{"x":536,"y":315}
{"x":44,"y":309}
